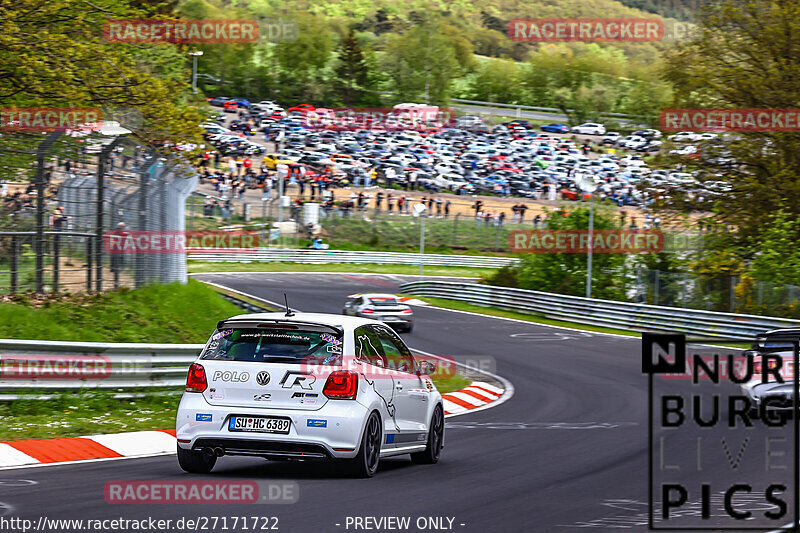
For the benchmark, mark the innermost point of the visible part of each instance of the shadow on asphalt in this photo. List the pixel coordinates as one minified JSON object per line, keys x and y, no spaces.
{"x":293,"y":470}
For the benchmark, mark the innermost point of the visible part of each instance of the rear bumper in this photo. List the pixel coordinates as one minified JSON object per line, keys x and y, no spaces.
{"x":332,"y":431}
{"x":391,"y":320}
{"x":271,"y":449}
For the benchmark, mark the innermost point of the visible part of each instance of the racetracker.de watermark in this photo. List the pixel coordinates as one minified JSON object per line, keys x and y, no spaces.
{"x":181,"y":31}
{"x":49,"y":118}
{"x":179,"y":242}
{"x":740,"y":120}
{"x":26,"y":366}
{"x":579,"y":241}
{"x":200,"y":492}
{"x":441,"y":366}
{"x":586,"y":30}
{"x":420,"y":118}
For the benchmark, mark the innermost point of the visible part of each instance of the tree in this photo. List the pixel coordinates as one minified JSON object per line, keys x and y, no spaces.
{"x":52,"y":54}
{"x":565,"y":273}
{"x":301,"y":62}
{"x":422,"y":62}
{"x":352,"y":71}
{"x":496,"y":80}
{"x":746,"y":53}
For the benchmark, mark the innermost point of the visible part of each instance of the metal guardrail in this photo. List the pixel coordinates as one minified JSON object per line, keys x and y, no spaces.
{"x":53,"y":365}
{"x":534,"y":108}
{"x":632,"y":316}
{"x":347,"y":256}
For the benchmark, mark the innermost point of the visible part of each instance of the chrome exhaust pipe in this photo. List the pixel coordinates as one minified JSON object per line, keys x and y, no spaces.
{"x":219,"y":451}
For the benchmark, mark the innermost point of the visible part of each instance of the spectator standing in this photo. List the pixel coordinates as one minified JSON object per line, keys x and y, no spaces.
{"x":390,"y":176}
{"x":477,"y":206}
{"x":118,"y":259}
{"x":551,"y":195}
{"x":411,"y":183}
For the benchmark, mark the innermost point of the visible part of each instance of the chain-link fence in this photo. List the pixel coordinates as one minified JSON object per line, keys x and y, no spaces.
{"x":732,"y":294}
{"x":380,"y":230}
{"x":63,"y":206}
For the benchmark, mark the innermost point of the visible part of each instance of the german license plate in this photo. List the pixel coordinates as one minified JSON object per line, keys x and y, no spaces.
{"x":259,"y":424}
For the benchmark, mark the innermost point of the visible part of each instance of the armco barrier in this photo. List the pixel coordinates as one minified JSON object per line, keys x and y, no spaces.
{"x":623,"y":315}
{"x":121,"y":366}
{"x":346,"y":256}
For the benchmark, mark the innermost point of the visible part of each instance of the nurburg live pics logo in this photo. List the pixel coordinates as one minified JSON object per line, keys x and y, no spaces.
{"x":720,"y":459}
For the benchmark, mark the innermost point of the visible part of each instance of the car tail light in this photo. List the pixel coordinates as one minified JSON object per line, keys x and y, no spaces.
{"x":196,"y":380}
{"x":758,"y":367}
{"x":367,"y":310}
{"x":341,"y":385}
{"x":406,"y":311}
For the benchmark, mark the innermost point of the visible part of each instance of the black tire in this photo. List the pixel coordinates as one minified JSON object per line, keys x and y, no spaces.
{"x":365,"y":463}
{"x":433,"y":449}
{"x":195,"y":462}
{"x":409,"y":329}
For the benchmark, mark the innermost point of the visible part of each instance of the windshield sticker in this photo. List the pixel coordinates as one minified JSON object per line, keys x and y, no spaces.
{"x":272,"y":335}
{"x":330,"y":338}
{"x":224,"y":333}
{"x":330,"y":359}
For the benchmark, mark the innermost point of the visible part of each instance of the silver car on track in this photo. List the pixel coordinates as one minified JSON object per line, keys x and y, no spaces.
{"x":772,"y":379}
{"x":385,"y":308}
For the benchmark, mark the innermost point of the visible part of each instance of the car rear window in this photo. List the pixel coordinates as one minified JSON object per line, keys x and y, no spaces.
{"x":383,"y":301}
{"x":275,"y":345}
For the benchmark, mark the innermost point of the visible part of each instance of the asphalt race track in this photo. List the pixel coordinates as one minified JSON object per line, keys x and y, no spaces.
{"x":568,"y":452}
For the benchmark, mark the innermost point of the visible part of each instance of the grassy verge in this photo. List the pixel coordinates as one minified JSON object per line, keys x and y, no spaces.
{"x":451,"y":384}
{"x":85,"y":413}
{"x":199,"y":267}
{"x":173,"y":313}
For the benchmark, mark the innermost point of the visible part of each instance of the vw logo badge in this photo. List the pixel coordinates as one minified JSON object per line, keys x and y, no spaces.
{"x":262,"y":378}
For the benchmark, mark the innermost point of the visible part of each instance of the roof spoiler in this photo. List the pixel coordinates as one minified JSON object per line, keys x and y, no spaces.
{"x":230,"y":322}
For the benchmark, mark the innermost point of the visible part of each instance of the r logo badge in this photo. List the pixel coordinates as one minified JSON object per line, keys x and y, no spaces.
{"x":293,"y":377}
{"x":663,"y":353}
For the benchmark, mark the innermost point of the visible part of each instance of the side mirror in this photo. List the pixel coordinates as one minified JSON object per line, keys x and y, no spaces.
{"x":426,"y":368}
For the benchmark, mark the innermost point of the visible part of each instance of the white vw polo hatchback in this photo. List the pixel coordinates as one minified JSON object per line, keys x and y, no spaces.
{"x":308,"y":386}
